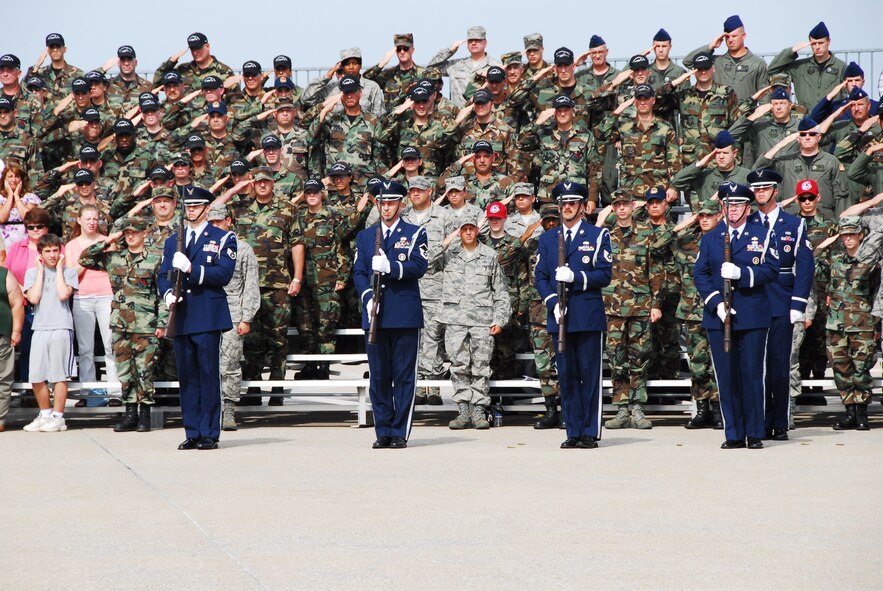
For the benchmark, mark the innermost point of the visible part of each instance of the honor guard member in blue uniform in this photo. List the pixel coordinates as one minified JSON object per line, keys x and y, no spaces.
{"x":588,"y":268}
{"x":392,"y":359}
{"x":788,"y":295}
{"x":754,"y":264}
{"x":201,"y":316}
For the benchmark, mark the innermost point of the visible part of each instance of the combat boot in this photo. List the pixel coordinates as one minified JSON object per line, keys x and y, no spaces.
{"x":622,"y":420}
{"x":639,"y":421}
{"x":130,"y":419}
{"x":717,"y":421}
{"x":308,"y":372}
{"x":433,"y":397}
{"x":462,"y":420}
{"x":323,"y":371}
{"x":228,"y":420}
{"x":791,"y":411}
{"x":143,"y":418}
{"x":702,"y":418}
{"x":550,"y":418}
{"x":420,"y":395}
{"x":479,"y":417}
{"x":849,"y":422}
{"x":861,"y":417}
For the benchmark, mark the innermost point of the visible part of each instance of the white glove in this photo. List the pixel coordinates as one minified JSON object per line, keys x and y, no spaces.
{"x":557,"y":313}
{"x":370,"y":309}
{"x":170,"y":298}
{"x":564,"y":274}
{"x":730,"y":271}
{"x":181,"y":262}
{"x":797,"y":316}
{"x":380,"y":263}
{"x":722,"y":312}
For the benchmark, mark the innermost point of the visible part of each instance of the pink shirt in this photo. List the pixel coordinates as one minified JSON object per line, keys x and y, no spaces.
{"x":20,"y":258}
{"x":92,"y":283}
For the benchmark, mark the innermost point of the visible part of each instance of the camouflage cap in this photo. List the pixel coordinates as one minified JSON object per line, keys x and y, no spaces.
{"x":850,"y":224}
{"x":176,"y":157}
{"x":350,"y":53}
{"x":710,"y":207}
{"x":263,"y":173}
{"x":455,"y":183}
{"x":620,"y":195}
{"x":476,"y":33}
{"x":164,"y":193}
{"x":522,"y":189}
{"x":284,"y":102}
{"x":511,"y":58}
{"x":533,"y":41}
{"x":420,"y":182}
{"x":403,"y":40}
{"x":549,"y":210}
{"x":468,"y":218}
{"x":432,"y":74}
{"x":217,"y":212}
{"x":136,"y":223}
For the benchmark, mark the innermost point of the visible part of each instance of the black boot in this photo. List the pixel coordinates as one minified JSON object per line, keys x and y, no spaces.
{"x":323,"y":371}
{"x":550,"y":418}
{"x":849,"y":422}
{"x":308,"y":372}
{"x":861,"y":417}
{"x":130,"y":419}
{"x":717,"y":421}
{"x":703,"y":416}
{"x":143,"y":419}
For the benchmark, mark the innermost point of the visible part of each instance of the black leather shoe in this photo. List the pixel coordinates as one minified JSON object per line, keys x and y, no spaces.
{"x":587,"y":443}
{"x":397,"y":443}
{"x":207,"y":443}
{"x":780,"y":435}
{"x":733,"y":444}
{"x":381,"y":443}
{"x":570,"y":443}
{"x":189,"y":443}
{"x":768,"y":434}
{"x":755,"y":443}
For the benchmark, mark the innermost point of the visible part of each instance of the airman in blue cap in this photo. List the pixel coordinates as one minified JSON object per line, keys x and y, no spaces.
{"x":812,"y":76}
{"x":663,"y":69}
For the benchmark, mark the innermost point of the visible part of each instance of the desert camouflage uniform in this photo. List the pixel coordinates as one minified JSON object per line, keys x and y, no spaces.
{"x":243,"y":299}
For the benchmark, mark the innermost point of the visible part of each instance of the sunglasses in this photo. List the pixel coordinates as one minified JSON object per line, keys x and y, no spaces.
{"x":402,"y":48}
{"x":808,"y":133}
{"x":83,"y":184}
{"x":36,"y":226}
{"x":805,"y":198}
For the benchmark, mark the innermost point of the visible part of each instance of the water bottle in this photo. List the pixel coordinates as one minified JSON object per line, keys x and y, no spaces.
{"x":498,"y":417}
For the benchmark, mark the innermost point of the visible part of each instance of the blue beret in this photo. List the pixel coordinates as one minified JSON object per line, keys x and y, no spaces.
{"x":735,"y":193}
{"x":596,"y":41}
{"x":852,"y":70}
{"x":724,"y":139}
{"x":857,"y":94}
{"x":806,"y":124}
{"x":391,"y":191}
{"x":662,"y":35}
{"x":764,"y":177}
{"x":820,"y":31}
{"x":655,"y":194}
{"x":566,"y":191}
{"x":197,"y":196}
{"x":732,"y":23}
{"x":780,"y":93}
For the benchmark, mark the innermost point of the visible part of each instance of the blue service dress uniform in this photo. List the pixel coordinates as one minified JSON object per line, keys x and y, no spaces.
{"x":199,"y":321}
{"x":739,"y":373}
{"x":392,"y":360}
{"x":789,"y":292}
{"x":579,"y":366}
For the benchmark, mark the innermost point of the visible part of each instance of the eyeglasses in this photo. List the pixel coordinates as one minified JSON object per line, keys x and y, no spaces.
{"x":808,"y":133}
{"x":402,"y":48}
{"x":36,"y":226}
{"x":805,"y":198}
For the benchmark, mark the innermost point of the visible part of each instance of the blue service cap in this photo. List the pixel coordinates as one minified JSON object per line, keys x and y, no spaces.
{"x":654,"y":194}
{"x":764,"y":177}
{"x":283,"y":82}
{"x":735,"y":193}
{"x":563,"y":56}
{"x":194,"y":195}
{"x":732,"y":23}
{"x":857,"y":94}
{"x":724,"y":139}
{"x":217,"y":107}
{"x":391,"y":191}
{"x":662,"y":35}
{"x":852,"y":70}
{"x":807,"y":124}
{"x":568,"y":191}
{"x":349,"y":84}
{"x":596,"y":41}
{"x":820,"y":31}
{"x":780,"y":93}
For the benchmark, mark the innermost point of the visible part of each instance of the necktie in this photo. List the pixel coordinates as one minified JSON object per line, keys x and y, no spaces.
{"x":735,"y":236}
{"x":766,"y":221}
{"x":567,"y":239}
{"x":191,"y":238}
{"x":386,"y":235}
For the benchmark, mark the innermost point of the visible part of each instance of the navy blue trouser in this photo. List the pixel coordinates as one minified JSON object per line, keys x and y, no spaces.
{"x":198,"y":358}
{"x":778,"y":373}
{"x":579,"y":382}
{"x":740,"y":379}
{"x":393,"y":365}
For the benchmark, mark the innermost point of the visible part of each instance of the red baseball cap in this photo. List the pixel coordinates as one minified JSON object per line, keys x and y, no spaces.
{"x":495,"y":209}
{"x":807,"y":186}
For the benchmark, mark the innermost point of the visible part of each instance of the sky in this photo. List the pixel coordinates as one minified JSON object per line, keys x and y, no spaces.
{"x":313,"y":33}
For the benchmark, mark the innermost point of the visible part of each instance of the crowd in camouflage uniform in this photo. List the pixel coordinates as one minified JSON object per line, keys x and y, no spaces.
{"x":505,"y":135}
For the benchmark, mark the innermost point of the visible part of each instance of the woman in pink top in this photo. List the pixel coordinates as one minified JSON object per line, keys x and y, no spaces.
{"x":16,"y":199}
{"x":91,"y":305}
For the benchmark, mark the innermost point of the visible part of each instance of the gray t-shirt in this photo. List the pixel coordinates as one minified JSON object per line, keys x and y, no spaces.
{"x":51,"y":313}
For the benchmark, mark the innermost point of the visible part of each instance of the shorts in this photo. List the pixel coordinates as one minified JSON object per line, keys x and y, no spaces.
{"x":52,"y":356}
